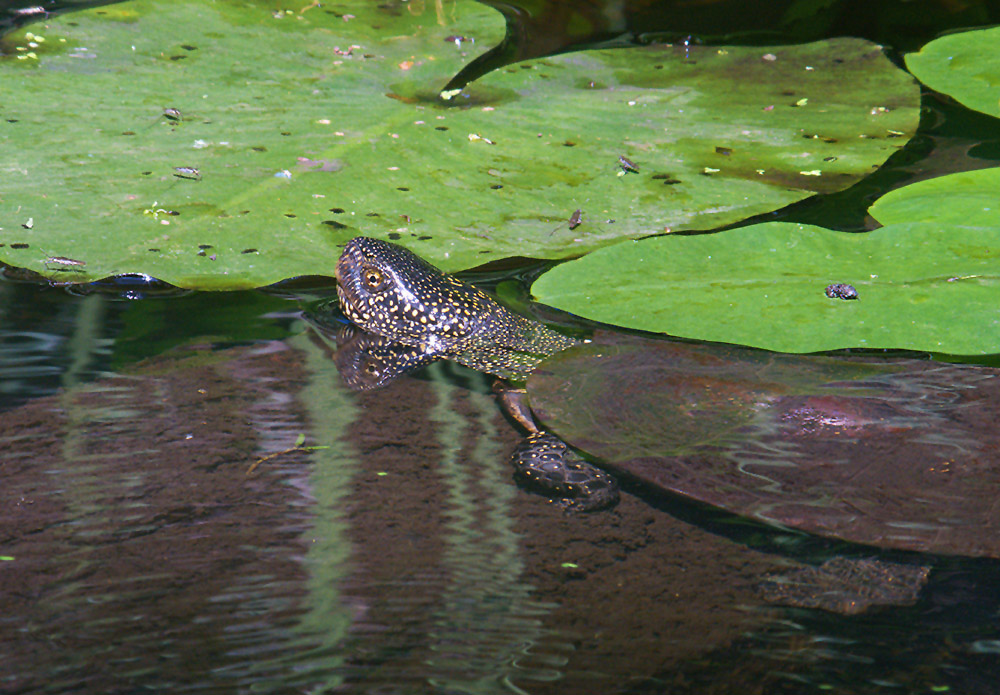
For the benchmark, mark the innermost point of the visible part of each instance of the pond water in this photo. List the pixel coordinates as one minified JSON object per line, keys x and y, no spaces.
{"x":192,"y":501}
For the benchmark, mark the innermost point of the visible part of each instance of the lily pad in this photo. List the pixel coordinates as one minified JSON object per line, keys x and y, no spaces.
{"x":309,"y":127}
{"x":968,"y":198}
{"x":965,"y":66}
{"x":899,"y":454}
{"x":919,"y":286}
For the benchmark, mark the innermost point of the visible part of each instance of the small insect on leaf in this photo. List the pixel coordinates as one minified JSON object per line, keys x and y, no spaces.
{"x":62,"y":260}
{"x":627,"y":165}
{"x":841,"y":291}
{"x":187,"y":173}
{"x":576,"y":219}
{"x":172,"y":114}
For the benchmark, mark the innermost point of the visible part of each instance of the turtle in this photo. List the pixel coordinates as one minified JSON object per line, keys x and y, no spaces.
{"x":885,"y":450}
{"x":766,"y":436}
{"x":390,"y":292}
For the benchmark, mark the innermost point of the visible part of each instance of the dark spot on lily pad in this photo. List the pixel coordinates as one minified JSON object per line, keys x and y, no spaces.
{"x":249,"y":251}
{"x":290,"y":214}
{"x":19,"y":246}
{"x":724,"y":151}
{"x":204,"y":246}
{"x":177,"y":57}
{"x":395,"y":235}
{"x":440,"y":127}
{"x":373,"y":214}
{"x":402,"y":188}
{"x":496,"y":186}
{"x":334,"y":224}
{"x":337,"y":210}
{"x":259,"y":148}
{"x":153,"y":250}
{"x":128,"y":132}
{"x":424,"y":238}
{"x":188,"y":47}
{"x":667,"y":179}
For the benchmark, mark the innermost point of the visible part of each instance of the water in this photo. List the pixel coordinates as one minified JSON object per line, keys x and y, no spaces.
{"x":161,"y":529}
{"x":398,"y":558}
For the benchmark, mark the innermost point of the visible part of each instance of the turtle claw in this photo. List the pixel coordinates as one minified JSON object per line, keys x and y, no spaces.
{"x":543,"y":462}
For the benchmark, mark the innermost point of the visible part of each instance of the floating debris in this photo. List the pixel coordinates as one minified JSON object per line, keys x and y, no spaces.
{"x":29,"y":11}
{"x":172,"y":114}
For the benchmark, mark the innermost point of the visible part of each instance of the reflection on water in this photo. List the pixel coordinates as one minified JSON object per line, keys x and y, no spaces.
{"x":390,"y":553}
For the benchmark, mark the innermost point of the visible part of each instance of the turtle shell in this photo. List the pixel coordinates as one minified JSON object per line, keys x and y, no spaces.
{"x":897,"y":453}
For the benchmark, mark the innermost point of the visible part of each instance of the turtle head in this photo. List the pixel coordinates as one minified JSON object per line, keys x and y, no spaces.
{"x":386,"y":289}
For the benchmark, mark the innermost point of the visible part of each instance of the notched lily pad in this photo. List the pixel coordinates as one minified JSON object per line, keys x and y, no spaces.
{"x":918,"y":285}
{"x":967,"y":199}
{"x":965,"y":66}
{"x":288,"y":115}
{"x":833,"y":446}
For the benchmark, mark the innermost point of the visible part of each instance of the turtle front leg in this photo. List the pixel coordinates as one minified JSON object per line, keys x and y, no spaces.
{"x":543,"y":462}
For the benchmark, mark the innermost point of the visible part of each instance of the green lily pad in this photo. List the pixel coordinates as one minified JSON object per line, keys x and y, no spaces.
{"x":312,"y":126}
{"x":968,"y":198}
{"x":920,"y":286}
{"x":965,"y":66}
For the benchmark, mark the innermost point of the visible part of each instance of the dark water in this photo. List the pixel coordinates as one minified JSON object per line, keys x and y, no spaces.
{"x":160,"y":529}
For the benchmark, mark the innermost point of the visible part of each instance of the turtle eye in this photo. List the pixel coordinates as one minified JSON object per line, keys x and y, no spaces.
{"x":373,"y":278}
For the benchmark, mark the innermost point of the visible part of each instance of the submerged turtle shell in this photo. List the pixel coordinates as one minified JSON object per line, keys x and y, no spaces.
{"x":898,"y":453}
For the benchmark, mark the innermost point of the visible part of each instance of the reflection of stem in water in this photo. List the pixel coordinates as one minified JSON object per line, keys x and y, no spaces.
{"x":488,"y":619}
{"x":86,"y":338}
{"x":325,"y":618}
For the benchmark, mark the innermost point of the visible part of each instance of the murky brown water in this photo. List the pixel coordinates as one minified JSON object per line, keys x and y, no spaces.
{"x":396,"y":556}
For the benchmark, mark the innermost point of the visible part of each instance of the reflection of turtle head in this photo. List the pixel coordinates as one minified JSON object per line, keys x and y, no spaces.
{"x":387,"y":290}
{"x":367,"y":361}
